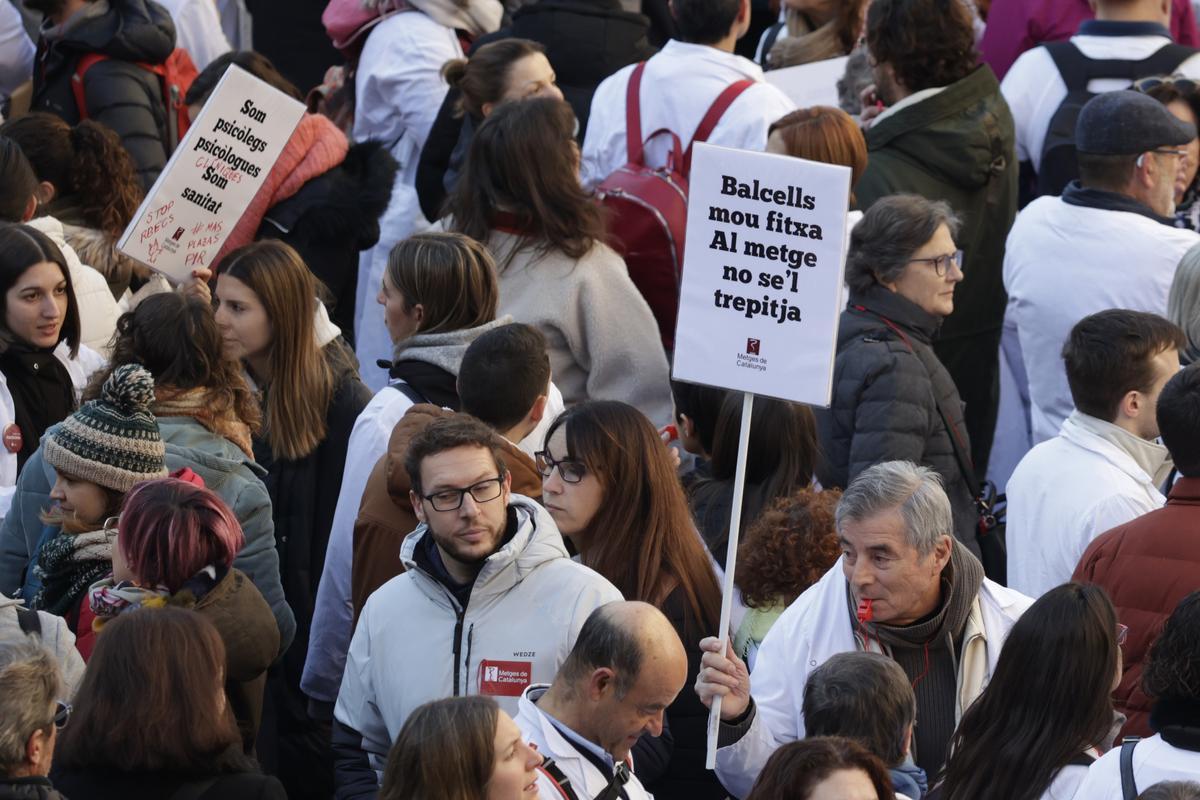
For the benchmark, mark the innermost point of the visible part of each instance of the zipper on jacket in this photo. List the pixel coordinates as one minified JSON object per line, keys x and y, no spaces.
{"x":470,"y":638}
{"x":458,"y":626}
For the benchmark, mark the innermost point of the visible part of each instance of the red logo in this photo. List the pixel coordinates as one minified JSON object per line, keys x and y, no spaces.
{"x":504,"y":678}
{"x":12,"y":438}
{"x":752,"y":346}
{"x":178,"y":235}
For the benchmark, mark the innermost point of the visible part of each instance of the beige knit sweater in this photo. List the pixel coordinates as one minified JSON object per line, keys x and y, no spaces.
{"x":601,"y":337}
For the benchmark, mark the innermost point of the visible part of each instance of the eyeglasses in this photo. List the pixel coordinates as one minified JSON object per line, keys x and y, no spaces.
{"x":1168,"y":151}
{"x":941,"y":263}
{"x":452,"y":499}
{"x":111,"y":524}
{"x":1184,"y":85}
{"x":569,"y":469}
{"x":1122,"y":634}
{"x":62,"y":713}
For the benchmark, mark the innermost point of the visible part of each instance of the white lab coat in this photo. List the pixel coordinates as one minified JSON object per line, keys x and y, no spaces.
{"x":1154,"y":761}
{"x":16,"y":50}
{"x":680,"y":83}
{"x":399,"y":91}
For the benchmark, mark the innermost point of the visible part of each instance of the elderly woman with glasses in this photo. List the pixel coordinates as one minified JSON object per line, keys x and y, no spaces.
{"x":892,"y":399}
{"x":30,"y":716}
{"x":1181,"y":96}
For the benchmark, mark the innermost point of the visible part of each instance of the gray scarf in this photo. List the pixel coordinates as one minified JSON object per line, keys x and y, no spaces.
{"x":443,"y":350}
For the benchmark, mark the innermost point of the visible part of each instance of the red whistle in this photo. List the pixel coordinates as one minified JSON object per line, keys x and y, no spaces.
{"x":669,"y":433}
{"x":865,"y":611}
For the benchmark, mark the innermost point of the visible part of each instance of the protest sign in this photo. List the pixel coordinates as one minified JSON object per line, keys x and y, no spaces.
{"x":212,"y":176}
{"x":812,"y":84}
{"x":761,"y":296}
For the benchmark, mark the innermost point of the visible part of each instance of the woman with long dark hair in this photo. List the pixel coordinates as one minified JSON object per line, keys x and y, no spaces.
{"x":520,"y":194}
{"x":823,"y":768}
{"x":1048,"y":707}
{"x":610,"y":485}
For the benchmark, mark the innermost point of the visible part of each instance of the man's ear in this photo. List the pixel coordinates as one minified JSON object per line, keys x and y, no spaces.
{"x":30,"y":208}
{"x":942,"y":550}
{"x":686,"y":426}
{"x":601,"y":683}
{"x":45,"y":192}
{"x":538,"y":410}
{"x":417,"y":506}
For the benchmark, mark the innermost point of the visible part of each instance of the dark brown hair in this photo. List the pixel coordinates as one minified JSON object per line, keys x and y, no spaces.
{"x":22,"y":247}
{"x":642,"y":539}
{"x":172,"y":663}
{"x":825,"y":134}
{"x":484,"y":77}
{"x":446,"y":750}
{"x":503,"y":373}
{"x":451,"y":275}
{"x":448,"y":433}
{"x":1110,"y":354}
{"x":256,"y":64}
{"x":524,"y":161}
{"x":865,"y":697}
{"x":788,"y":548}
{"x":927,"y":42}
{"x":19,"y":182}
{"x":85,"y":163}
{"x":795,"y":769}
{"x":1172,"y":672}
{"x":176,"y":338}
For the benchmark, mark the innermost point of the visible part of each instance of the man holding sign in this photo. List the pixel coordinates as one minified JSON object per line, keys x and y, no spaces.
{"x":904,"y":587}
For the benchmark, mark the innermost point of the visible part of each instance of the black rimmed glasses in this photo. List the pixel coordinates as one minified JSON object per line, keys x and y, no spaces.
{"x":942,"y":263}
{"x":452,"y":499}
{"x":569,"y":469}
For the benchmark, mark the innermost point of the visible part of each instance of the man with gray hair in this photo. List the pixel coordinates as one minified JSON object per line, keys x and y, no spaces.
{"x":30,"y":716}
{"x":904,"y":587}
{"x":626,"y":667}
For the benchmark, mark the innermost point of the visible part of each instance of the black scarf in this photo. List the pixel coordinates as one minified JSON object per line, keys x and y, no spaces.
{"x":42,"y":391}
{"x":1177,"y":721}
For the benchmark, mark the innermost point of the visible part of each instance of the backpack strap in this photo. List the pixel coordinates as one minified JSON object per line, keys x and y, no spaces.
{"x":712,"y":117}
{"x":559,"y":778}
{"x":1165,"y":60}
{"x":1077,"y":70}
{"x":30,"y":622}
{"x":1128,"y":784}
{"x":633,"y":116}
{"x":81,"y":69}
{"x":769,"y":42}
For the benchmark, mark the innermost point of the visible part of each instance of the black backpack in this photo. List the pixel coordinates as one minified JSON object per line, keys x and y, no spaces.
{"x":1059,"y":165}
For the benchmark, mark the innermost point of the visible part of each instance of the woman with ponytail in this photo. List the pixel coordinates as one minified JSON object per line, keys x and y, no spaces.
{"x":87,"y":182}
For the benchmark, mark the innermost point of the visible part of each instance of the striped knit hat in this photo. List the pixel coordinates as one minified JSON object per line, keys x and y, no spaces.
{"x":112,"y":441}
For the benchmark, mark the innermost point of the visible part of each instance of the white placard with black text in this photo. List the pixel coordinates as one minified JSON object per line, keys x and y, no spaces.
{"x":762,"y":277}
{"x":214,"y":173}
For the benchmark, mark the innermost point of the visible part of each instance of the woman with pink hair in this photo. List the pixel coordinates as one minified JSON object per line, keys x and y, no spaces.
{"x":176,"y":542}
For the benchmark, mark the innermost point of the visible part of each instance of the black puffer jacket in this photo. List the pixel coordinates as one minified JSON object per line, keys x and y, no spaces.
{"x":119,"y":93}
{"x":333,"y":218}
{"x":585,"y":41}
{"x":884,"y":406}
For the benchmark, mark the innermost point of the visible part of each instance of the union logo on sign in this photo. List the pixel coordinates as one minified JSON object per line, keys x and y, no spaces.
{"x":752,"y":346}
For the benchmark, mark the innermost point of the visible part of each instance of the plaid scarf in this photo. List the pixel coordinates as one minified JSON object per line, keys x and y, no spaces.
{"x":109,"y":599}
{"x":68,"y":564}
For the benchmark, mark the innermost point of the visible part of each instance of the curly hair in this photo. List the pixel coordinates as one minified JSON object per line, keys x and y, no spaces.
{"x":928,"y":43}
{"x":1172,"y":669}
{"x":788,"y":548}
{"x":86,"y":164}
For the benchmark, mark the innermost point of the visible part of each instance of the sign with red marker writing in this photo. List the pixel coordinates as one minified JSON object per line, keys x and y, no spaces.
{"x":212,"y":176}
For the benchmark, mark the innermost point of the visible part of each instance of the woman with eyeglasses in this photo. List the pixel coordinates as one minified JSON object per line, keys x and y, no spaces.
{"x":1181,"y":96}
{"x":31,"y":715}
{"x":151,"y":719}
{"x":175,"y":546}
{"x":1047,"y":712}
{"x":98,"y":454}
{"x":892,"y":399}
{"x":611,"y":487}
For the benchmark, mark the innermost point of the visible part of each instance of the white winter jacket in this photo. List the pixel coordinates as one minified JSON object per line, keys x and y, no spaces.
{"x":1063,"y":262}
{"x":817,"y":626}
{"x":98,"y":310}
{"x":413,"y":642}
{"x":585,"y":777}
{"x":80,"y":368}
{"x":1154,"y":761}
{"x":1064,"y":494}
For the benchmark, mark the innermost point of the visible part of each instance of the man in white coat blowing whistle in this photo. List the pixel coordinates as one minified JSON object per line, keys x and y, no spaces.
{"x":903,"y":587}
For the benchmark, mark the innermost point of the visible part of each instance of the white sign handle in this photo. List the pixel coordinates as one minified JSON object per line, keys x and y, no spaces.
{"x":735,"y":525}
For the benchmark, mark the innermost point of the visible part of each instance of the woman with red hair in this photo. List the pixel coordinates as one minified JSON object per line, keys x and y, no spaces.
{"x":176,"y":542}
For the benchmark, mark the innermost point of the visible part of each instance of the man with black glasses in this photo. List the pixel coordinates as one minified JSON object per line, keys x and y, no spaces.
{"x":490,"y":601}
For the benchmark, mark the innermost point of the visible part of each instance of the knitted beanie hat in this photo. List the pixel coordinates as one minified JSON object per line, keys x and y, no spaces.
{"x":112,"y":441}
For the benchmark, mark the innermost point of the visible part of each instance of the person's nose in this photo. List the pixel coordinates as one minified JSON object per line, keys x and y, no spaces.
{"x":654,"y":726}
{"x":553,"y":483}
{"x":533,"y":759}
{"x":469,"y":507}
{"x":50,"y":309}
{"x":862,"y":575}
{"x":56,"y":491}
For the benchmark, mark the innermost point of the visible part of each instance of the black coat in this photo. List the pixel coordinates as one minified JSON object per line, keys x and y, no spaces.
{"x":119,"y":93}
{"x":93,"y":784}
{"x":585,"y":41}
{"x":333,"y":218}
{"x":28,"y":789}
{"x":884,"y":406}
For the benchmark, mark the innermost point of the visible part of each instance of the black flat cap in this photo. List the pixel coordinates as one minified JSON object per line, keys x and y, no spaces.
{"x":1126,"y":123}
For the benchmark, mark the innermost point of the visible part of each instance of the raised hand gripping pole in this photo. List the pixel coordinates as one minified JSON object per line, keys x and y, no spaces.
{"x":735,"y":525}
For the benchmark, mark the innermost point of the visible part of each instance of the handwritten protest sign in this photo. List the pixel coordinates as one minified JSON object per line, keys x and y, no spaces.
{"x":762,"y":275}
{"x":812,"y":84}
{"x":212,"y":176}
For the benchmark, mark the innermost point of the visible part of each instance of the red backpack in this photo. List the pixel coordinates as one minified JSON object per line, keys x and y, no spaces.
{"x":175,"y":76}
{"x":648,"y":207}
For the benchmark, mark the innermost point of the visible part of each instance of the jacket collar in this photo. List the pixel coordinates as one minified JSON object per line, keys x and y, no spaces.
{"x":1076,"y":195}
{"x":1109,"y":27}
{"x":687,"y":50}
{"x":883,"y":302}
{"x":1186,"y":491}
{"x":980,"y":83}
{"x":1078,"y":430}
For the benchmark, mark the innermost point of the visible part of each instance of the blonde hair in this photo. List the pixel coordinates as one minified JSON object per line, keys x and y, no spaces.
{"x":452,"y":276}
{"x":301,"y":384}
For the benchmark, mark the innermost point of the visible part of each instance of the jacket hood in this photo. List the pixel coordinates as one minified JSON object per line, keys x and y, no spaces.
{"x":203,"y":446}
{"x":444,"y":350}
{"x":7,"y":602}
{"x":536,"y":542}
{"x":131,"y":30}
{"x":525,"y":478}
{"x":962,"y":135}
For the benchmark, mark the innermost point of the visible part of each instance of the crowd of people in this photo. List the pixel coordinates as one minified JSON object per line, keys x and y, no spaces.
{"x":397,"y":498}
